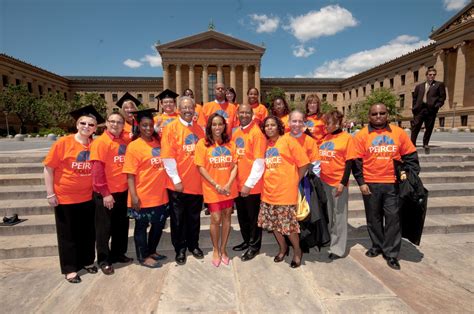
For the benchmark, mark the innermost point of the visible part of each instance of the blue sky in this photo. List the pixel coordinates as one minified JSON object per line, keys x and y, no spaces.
{"x":303,"y":38}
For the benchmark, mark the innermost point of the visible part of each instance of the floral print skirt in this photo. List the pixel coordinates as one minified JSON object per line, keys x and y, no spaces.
{"x":281,"y":218}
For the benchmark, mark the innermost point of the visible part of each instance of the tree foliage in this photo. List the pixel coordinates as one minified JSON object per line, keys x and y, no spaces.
{"x":360,"y":113}
{"x":16,"y":99}
{"x":274,"y":93}
{"x":326,"y":107}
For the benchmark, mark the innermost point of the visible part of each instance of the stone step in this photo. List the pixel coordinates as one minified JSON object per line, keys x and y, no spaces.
{"x":15,"y":168}
{"x":24,"y":246}
{"x":446,"y":150}
{"x":22,"y":179}
{"x":447,"y":166}
{"x":18,"y":158}
{"x":445,"y":158}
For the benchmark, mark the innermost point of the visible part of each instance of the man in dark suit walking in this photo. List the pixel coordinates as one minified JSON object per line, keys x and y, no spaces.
{"x":428,"y":97}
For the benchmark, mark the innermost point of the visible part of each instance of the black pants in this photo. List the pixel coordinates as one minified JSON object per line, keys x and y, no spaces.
{"x":383,"y":218}
{"x":76,"y":235}
{"x":247,"y":213}
{"x":185,"y":217}
{"x":426,"y":116}
{"x":111,"y":223}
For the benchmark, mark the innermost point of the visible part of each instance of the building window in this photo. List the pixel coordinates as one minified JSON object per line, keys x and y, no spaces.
{"x":441,"y":122}
{"x":40,"y":90}
{"x":17,"y":82}
{"x":140,"y":97}
{"x":363,"y":91}
{"x":211,"y":81}
{"x":349,"y":108}
{"x":102,"y":96}
{"x":350,"y":94}
{"x":381,"y":84}
{"x":30,"y":87}
{"x":114,"y":97}
{"x":5,"y":80}
{"x":325,"y":97}
{"x":402,"y":101}
{"x":65,"y":96}
{"x":334,"y":97}
{"x":391,"y":83}
{"x":303,"y":97}
{"x":344,"y":96}
{"x":372,"y":87}
{"x":415,"y":76}
{"x":357,"y":93}
{"x":402,"y":78}
{"x":151,"y":97}
{"x":343,"y":110}
{"x":49,"y":90}
{"x":463,"y":120}
{"x":292,"y":97}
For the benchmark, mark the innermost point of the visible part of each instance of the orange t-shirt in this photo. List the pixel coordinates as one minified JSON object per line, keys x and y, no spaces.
{"x":317,"y":127}
{"x":179,"y":142}
{"x":127,"y":129}
{"x":143,"y":159}
{"x":309,"y":145}
{"x":111,"y":151}
{"x":228,"y":111}
{"x":72,"y":170}
{"x":260,"y":112}
{"x":251,"y":144}
{"x":218,"y":160}
{"x":334,"y":151}
{"x":378,"y":149}
{"x":285,"y":119}
{"x":280,"y":180}
{"x":164,"y":119}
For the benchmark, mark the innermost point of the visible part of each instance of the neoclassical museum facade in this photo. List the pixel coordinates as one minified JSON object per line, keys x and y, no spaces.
{"x":199,"y":61}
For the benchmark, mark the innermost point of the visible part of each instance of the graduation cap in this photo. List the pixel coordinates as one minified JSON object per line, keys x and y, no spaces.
{"x":125,"y":97}
{"x":88,"y":111}
{"x":167,"y":93}
{"x":144,"y":113}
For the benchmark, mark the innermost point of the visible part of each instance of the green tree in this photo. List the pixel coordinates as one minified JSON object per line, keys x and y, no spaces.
{"x":274,"y":93}
{"x":381,"y":95}
{"x":55,"y":110}
{"x":94,"y":99}
{"x":16,"y":99}
{"x":326,"y":107}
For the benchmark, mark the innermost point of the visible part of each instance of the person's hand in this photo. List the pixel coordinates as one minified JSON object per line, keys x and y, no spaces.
{"x":109,"y":201}
{"x":219,"y":189}
{"x":178,"y":187}
{"x":227,"y":189}
{"x":135,"y":203}
{"x":339,"y":190}
{"x":245,"y":191}
{"x":53,"y":201}
{"x":364,"y":189}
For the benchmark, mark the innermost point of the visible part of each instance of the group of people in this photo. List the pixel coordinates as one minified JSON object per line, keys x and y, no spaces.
{"x":221,"y":156}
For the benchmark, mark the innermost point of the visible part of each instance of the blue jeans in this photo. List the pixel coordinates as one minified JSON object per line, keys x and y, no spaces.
{"x":156,"y":216}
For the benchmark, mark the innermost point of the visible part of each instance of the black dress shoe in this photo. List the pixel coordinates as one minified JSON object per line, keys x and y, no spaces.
{"x":250,"y":254}
{"x":241,"y":247}
{"x":197,"y":253}
{"x":123,"y":259}
{"x":392,"y":262}
{"x":333,"y":256}
{"x":427,"y":149}
{"x":181,"y":258}
{"x":372,"y":252}
{"x":107,"y":269}
{"x":279,"y":258}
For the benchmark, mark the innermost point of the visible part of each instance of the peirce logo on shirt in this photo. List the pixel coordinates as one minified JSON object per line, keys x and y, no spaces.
{"x":221,"y":157}
{"x":272,"y":158}
{"x":327,"y":151}
{"x":310,"y":125}
{"x":383,"y":146}
{"x":82,"y":166}
{"x":190,"y":143}
{"x":240,"y":143}
{"x":120,"y":157}
{"x":156,"y":160}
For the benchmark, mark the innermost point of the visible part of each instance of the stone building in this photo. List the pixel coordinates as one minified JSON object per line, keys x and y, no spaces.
{"x":199,"y":61}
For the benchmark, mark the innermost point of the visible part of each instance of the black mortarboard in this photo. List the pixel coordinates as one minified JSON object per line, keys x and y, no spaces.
{"x":87,"y":111}
{"x":167,"y":93}
{"x":144,"y":113}
{"x":125,"y":97}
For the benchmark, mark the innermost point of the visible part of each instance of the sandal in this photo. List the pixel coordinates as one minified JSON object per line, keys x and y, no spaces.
{"x":75,"y":279}
{"x":91,"y":269}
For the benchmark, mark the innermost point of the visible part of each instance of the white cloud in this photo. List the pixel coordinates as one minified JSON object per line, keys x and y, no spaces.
{"x":265,"y":24}
{"x":363,"y":60}
{"x":132,"y":63}
{"x":325,"y":22}
{"x":153,"y":60}
{"x":301,"y":52}
{"x":451,"y":5}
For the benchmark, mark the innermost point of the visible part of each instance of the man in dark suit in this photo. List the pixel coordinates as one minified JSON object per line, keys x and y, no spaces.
{"x":428,"y":97}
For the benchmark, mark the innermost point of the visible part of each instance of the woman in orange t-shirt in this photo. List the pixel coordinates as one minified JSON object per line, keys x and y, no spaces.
{"x":68,"y":180}
{"x":285,"y":164}
{"x":314,"y":118}
{"x":281,"y":110}
{"x":336,"y":153}
{"x":216,"y":158}
{"x":148,"y":199}
{"x":260,"y":112}
{"x":128,"y":107}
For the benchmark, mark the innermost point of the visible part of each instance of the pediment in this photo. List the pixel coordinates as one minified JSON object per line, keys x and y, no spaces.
{"x":464,"y":16}
{"x":210,"y":43}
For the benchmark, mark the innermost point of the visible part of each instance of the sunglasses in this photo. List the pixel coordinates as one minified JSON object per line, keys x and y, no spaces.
{"x":378,"y":114}
{"x":87,"y":123}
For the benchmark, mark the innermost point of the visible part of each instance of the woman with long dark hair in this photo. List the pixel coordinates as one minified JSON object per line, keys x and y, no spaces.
{"x":281,"y":110}
{"x":314,"y":118}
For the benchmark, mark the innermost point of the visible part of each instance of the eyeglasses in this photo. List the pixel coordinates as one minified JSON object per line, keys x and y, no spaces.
{"x":378,"y":114}
{"x":114,"y":122}
{"x":87,"y":123}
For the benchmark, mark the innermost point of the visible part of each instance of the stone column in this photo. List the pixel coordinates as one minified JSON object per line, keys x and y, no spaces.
{"x":232,"y":76}
{"x":166,"y":78}
{"x":178,"y":79}
{"x":460,"y":75}
{"x":245,"y":83}
{"x":257,"y":77}
{"x":191,"y":77}
{"x":439,"y":66}
{"x":205,"y":93}
{"x":219,"y":74}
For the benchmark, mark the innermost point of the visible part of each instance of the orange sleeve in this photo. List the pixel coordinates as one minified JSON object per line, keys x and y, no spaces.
{"x":260,"y":144}
{"x":167,"y":143}
{"x":99,"y":149}
{"x":406,"y":145}
{"x":200,"y":154}
{"x":202,"y":119}
{"x":350,"y":149}
{"x":53,"y":160}
{"x":131,"y":160}
{"x":299,"y":155}
{"x":359,"y":142}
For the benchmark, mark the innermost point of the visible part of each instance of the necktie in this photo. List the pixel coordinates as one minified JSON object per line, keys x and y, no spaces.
{"x":425,"y":95}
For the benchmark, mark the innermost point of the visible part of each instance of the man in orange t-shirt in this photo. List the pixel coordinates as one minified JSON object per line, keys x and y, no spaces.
{"x":377,"y":146}
{"x":251,"y":145}
{"x":184,"y":189}
{"x":221,"y":106}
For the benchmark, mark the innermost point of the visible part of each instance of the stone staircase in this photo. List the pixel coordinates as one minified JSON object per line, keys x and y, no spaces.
{"x":448,"y":173}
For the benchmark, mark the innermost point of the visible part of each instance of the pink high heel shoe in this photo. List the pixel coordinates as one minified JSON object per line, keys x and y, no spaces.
{"x":216,"y":262}
{"x":225,"y":260}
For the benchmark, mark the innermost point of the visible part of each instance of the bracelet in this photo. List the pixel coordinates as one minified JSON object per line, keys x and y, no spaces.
{"x":50,"y":196}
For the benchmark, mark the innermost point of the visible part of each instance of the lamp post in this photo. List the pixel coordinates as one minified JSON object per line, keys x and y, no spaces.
{"x":6,"y":120}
